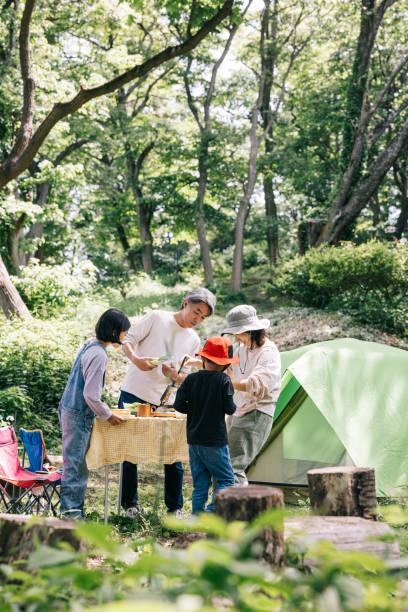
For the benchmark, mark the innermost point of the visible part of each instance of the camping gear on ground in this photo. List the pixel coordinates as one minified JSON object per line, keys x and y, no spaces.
{"x":23,"y":491}
{"x":343,"y":402}
{"x":35,"y":449}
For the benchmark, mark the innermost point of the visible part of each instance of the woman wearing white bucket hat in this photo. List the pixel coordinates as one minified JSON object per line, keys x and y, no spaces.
{"x":257,"y":380}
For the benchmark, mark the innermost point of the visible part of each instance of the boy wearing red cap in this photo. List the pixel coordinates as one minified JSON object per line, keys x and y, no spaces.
{"x":206,"y":397}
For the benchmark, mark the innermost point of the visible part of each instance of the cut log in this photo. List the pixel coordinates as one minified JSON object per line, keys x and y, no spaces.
{"x":346,"y":533}
{"x":245,"y":504}
{"x":343,"y":491}
{"x":17,"y":540}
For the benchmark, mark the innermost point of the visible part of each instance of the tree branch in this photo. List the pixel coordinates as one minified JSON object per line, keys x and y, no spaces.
{"x":26,"y":126}
{"x":403,"y":60}
{"x":379,"y":131}
{"x":5,"y":6}
{"x":69,"y":149}
{"x":141,"y":158}
{"x":190,"y":100}
{"x":137,"y":109}
{"x":210,"y":91}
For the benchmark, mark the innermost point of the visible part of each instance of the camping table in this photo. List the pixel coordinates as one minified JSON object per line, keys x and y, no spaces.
{"x":139,"y":440}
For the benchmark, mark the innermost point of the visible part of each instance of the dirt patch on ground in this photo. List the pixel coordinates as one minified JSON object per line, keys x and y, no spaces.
{"x":295,"y":327}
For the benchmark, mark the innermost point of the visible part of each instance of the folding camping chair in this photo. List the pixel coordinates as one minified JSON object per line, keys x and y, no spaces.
{"x":35,"y":449}
{"x":22,"y":491}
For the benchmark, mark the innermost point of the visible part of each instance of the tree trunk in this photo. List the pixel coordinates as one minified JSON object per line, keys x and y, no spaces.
{"x":355,"y":192}
{"x":18,"y":540}
{"x":205,"y":137}
{"x":147,"y":243}
{"x":400,"y":175}
{"x":268,"y":59}
{"x":10,"y":299}
{"x":130,"y":255}
{"x":343,"y":491}
{"x":313,"y":230}
{"x":344,"y":532}
{"x":144,"y":210}
{"x":200,"y":218}
{"x":15,"y":233}
{"x":245,"y":504}
{"x":272,"y":229}
{"x":365,"y":189}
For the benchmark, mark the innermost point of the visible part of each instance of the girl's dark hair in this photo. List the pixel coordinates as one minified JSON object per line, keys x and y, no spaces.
{"x":258,"y":337}
{"x":110,"y":325}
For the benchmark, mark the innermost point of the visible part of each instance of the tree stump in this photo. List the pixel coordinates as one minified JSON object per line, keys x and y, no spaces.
{"x":345,"y":532}
{"x":343,"y":491}
{"x":17,"y":540}
{"x":246,"y":503}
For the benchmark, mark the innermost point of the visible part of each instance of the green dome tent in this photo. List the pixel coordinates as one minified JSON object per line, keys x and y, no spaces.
{"x":343,"y":402}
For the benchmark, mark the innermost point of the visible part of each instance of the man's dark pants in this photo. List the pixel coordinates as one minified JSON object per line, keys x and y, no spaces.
{"x":173,"y":474}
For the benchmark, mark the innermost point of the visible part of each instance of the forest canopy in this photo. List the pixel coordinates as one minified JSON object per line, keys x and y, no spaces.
{"x":208,"y":139}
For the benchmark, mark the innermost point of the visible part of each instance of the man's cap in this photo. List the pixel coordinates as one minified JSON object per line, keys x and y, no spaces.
{"x":201,"y":294}
{"x":219,"y":350}
{"x":243,"y":318}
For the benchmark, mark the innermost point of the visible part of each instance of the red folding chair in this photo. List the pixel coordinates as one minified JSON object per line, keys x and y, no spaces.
{"x":22,"y":491}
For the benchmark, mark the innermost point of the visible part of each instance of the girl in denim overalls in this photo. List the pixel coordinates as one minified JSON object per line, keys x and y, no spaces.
{"x":81,"y":402}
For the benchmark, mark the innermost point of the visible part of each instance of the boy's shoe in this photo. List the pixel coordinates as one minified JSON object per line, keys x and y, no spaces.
{"x":133,"y":511}
{"x":178,"y":514}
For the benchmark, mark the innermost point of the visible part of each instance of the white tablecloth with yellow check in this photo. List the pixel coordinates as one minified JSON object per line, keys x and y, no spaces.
{"x":139,"y":440}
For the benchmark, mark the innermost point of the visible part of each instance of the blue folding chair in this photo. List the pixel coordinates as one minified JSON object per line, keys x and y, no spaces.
{"x":34,"y":448}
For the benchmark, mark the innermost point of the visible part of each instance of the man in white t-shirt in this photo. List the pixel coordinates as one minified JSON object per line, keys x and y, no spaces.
{"x":157,"y":334}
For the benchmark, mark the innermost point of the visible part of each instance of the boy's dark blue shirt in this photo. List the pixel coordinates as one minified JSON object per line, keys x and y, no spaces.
{"x":206,"y":397}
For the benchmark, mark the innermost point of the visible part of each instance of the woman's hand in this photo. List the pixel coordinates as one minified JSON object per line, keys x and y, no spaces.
{"x":115,"y":419}
{"x":239,"y":386}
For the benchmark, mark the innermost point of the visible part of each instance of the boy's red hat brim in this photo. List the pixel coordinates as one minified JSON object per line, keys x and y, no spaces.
{"x":218,"y":360}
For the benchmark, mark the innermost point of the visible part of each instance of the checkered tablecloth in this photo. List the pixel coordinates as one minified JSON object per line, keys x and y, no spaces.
{"x":139,"y":440}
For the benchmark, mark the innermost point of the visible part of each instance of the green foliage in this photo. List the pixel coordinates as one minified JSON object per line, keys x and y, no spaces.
{"x":368,"y":280}
{"x":47,"y":289}
{"x":16,"y":408}
{"x":221,"y":570}
{"x":36,"y":357}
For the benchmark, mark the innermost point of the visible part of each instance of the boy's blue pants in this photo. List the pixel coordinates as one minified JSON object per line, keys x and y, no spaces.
{"x":206,"y":463}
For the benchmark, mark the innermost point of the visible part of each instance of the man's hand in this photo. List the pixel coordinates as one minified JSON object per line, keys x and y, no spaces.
{"x":193,"y":362}
{"x":143,"y":363}
{"x":115,"y":419}
{"x":171,"y":371}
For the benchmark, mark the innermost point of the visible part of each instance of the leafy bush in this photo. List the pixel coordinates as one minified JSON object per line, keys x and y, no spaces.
{"x":47,"y":289}
{"x":221,"y":572}
{"x":36,"y":356}
{"x":369,"y":280}
{"x":15,"y":407}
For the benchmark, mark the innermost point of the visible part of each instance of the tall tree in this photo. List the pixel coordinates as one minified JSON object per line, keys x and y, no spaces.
{"x":266,"y":109}
{"x":365,"y":122}
{"x":203,"y":120}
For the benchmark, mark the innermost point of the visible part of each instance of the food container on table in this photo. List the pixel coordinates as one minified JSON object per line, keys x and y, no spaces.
{"x":144,"y":410}
{"x":164,"y":411}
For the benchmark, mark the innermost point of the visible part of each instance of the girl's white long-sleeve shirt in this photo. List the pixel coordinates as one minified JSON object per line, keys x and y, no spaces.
{"x":260,"y":369}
